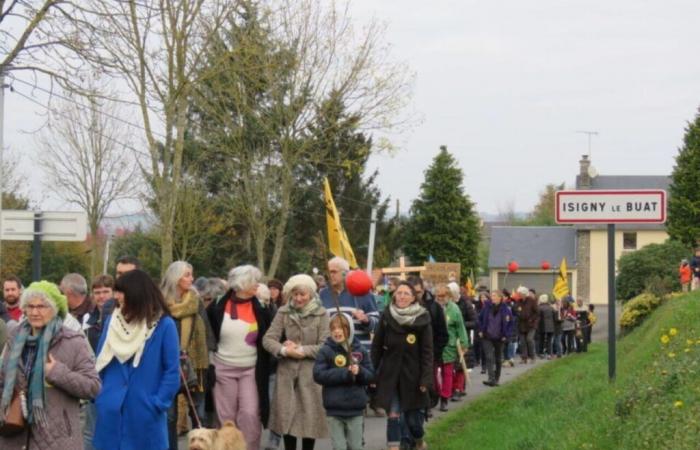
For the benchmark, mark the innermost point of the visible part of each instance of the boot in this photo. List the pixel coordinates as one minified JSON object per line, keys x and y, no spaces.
{"x":443,"y":407}
{"x":421,"y":445}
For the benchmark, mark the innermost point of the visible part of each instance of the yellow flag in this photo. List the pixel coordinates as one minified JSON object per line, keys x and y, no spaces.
{"x":561,"y":286}
{"x":470,"y":288}
{"x":338,"y":241}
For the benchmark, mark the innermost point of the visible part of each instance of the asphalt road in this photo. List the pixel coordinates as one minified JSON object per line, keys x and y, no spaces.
{"x":375,"y":427}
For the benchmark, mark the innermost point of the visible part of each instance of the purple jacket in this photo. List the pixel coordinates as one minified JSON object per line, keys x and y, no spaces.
{"x":495,"y":326}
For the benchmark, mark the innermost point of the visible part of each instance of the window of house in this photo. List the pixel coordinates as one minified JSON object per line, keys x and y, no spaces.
{"x":629,"y":241}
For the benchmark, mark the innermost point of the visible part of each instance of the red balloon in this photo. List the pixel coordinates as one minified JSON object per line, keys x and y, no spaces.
{"x":513,"y":266}
{"x":358,"y":283}
{"x":545,"y":265}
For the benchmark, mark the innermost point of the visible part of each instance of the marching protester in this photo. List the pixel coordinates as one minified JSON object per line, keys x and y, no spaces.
{"x":186,"y":309}
{"x":295,"y":337}
{"x":362,"y":310}
{"x":568,"y":325}
{"x":344,"y":370}
{"x":583,"y":327}
{"x":495,"y":327}
{"x":685,"y":275}
{"x":528,"y":317}
{"x":12,"y":291}
{"x":402,"y":352}
{"x":241,"y":364}
{"x":49,"y":368}
{"x":138,"y":362}
{"x":457,"y":340}
{"x":547,"y":317}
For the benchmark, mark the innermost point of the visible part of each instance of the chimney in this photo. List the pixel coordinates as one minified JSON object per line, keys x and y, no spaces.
{"x":583,"y":181}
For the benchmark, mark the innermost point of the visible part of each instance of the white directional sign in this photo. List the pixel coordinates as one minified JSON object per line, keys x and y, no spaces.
{"x":18,"y":225}
{"x":616,"y":206}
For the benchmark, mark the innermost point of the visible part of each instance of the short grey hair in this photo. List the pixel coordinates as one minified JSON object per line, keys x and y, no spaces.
{"x":171,"y":278}
{"x":74,"y":282}
{"x":212,"y":288}
{"x":263,"y":294}
{"x":339,"y":262}
{"x":31,"y":294}
{"x":454,"y":290}
{"x":244,"y":277}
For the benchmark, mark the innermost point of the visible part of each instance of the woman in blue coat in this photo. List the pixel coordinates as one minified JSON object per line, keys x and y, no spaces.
{"x":138,"y":362}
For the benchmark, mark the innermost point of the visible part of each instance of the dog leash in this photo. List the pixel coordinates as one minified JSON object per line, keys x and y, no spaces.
{"x":190,"y":401}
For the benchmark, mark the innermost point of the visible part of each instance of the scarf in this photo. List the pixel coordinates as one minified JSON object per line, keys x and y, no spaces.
{"x":193,"y":338}
{"x":124,"y":340}
{"x":36,"y":393}
{"x":305,"y":310}
{"x":407,"y":315}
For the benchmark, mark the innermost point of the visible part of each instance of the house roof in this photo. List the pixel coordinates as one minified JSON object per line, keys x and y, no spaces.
{"x":628,"y":182}
{"x":529,"y":246}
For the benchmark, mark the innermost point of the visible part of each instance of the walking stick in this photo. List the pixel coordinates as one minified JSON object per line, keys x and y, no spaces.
{"x":467,"y":381}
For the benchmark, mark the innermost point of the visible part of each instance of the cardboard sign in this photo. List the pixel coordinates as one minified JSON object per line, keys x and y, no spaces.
{"x":441,"y":273}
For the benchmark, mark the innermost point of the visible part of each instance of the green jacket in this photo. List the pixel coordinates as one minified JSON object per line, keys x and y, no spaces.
{"x":455,"y":331}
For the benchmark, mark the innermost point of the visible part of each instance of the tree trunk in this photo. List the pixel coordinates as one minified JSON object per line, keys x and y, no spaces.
{"x":281,"y":228}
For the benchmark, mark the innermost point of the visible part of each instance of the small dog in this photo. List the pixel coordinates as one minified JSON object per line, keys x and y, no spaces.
{"x":228,"y":437}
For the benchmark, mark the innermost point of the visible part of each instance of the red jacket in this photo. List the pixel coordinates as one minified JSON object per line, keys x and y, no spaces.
{"x":685,"y":274}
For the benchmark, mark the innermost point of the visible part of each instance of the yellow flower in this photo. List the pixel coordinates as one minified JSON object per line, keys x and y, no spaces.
{"x":671,"y":355}
{"x":698,"y":342}
{"x":687,"y":350}
{"x":665,"y":339}
{"x":678,"y":404}
{"x":673,"y":331}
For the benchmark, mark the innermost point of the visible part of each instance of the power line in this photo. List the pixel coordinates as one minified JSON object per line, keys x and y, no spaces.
{"x":47,"y":108}
{"x":83,"y":106}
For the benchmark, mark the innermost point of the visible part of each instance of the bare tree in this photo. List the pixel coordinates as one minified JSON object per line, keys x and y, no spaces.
{"x":311,"y":52}
{"x":156,"y":47}
{"x":84,"y":152}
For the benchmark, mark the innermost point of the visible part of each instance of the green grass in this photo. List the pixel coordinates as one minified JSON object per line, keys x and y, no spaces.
{"x":569,"y":403}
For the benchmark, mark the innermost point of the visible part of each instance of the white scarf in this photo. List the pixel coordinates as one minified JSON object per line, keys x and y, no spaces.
{"x":124,"y":340}
{"x":407,"y":315}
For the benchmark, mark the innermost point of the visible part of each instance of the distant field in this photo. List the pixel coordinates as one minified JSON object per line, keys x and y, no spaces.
{"x":569,"y":404}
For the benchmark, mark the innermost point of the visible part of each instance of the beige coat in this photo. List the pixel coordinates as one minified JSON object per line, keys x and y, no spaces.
{"x":297,"y":406}
{"x":72,"y":378}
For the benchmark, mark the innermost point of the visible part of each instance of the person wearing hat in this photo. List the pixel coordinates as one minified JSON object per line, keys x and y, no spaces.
{"x":275,"y":286}
{"x":51,"y":367}
{"x":297,"y":405}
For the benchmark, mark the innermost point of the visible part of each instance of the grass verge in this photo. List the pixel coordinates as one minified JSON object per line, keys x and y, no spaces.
{"x":569,"y":404}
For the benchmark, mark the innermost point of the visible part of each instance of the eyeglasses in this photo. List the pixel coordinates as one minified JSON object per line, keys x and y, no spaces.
{"x":40,"y":307}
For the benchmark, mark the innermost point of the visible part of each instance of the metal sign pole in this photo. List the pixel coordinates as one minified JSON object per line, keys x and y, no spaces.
{"x":611,"y":302}
{"x":36,"y":248}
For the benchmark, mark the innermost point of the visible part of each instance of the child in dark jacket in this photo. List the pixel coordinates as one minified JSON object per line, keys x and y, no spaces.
{"x":344,"y":376}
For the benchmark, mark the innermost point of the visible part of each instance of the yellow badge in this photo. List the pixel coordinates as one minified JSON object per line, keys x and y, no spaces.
{"x":340,"y":361}
{"x":411,"y":338}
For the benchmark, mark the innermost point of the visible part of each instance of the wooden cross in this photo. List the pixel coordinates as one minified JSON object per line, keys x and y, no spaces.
{"x":402,"y":269}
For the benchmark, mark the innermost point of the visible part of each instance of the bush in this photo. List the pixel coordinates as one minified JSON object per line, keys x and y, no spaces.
{"x":637,"y":309}
{"x":652,"y":268}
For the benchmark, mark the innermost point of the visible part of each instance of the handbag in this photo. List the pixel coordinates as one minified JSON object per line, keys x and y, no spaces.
{"x":13,"y":423}
{"x":188,"y":376}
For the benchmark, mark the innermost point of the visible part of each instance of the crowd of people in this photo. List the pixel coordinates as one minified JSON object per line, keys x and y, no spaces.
{"x":128,"y":363}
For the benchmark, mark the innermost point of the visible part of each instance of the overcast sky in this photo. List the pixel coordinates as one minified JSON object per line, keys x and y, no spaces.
{"x":506,"y":86}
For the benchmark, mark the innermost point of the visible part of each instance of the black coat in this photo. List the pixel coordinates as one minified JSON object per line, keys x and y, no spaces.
{"x":343,"y":394}
{"x":547,"y":318}
{"x":403,"y":360}
{"x":438,"y":323}
{"x":215,"y":313}
{"x":469,"y":314}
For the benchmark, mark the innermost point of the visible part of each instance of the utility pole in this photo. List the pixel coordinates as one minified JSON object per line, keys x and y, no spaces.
{"x":590,"y":134}
{"x":372,"y":233}
{"x":2,"y":152}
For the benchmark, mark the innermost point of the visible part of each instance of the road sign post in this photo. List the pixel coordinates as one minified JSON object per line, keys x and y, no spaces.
{"x":610,"y":207}
{"x":37,"y":226}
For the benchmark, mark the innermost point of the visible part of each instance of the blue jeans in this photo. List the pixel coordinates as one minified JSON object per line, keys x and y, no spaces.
{"x":411,"y":421}
{"x":557,"y":344}
{"x":89,"y":413}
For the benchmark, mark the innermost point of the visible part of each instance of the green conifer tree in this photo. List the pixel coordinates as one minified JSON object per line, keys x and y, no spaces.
{"x":443,"y":222}
{"x":684,"y":199}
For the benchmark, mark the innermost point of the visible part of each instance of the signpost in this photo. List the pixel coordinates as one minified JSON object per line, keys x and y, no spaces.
{"x":610,"y":207}
{"x":37,"y":226}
